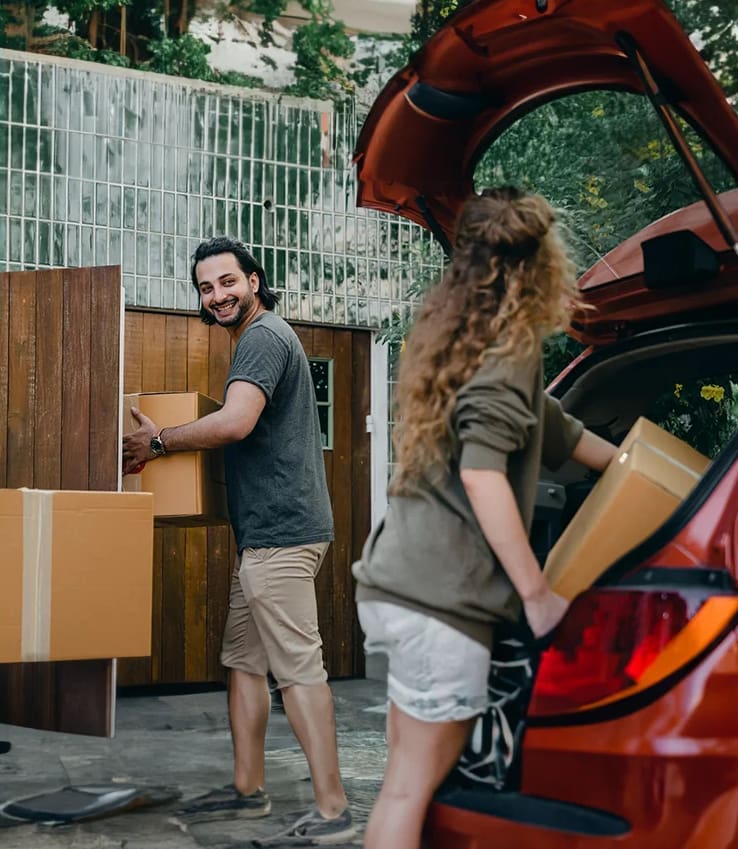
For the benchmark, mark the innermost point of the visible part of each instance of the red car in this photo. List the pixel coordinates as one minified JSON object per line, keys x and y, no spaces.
{"x":630,"y":736}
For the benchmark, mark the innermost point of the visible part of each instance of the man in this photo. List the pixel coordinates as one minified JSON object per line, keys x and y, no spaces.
{"x":282,"y":521}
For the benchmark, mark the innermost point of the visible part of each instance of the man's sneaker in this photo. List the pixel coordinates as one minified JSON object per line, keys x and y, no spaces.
{"x":226,"y":803}
{"x":313,"y":829}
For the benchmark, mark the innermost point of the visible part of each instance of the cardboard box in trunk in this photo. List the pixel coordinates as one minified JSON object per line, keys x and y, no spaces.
{"x":651,"y":474}
{"x":189,"y":486}
{"x":77,"y":575}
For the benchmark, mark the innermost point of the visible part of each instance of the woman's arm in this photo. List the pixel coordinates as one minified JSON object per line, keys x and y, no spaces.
{"x":593,"y":451}
{"x":497,"y":512}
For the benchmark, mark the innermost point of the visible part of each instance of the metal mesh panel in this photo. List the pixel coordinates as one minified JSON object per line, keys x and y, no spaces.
{"x":107,"y":166}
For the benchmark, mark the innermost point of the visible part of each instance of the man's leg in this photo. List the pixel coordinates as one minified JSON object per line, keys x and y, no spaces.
{"x":281,"y":596}
{"x":248,"y":708}
{"x":309,"y":708}
{"x":248,"y":691}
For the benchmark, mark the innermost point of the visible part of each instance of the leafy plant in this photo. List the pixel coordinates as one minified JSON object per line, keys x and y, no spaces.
{"x":703,"y":413}
{"x":185,"y":56}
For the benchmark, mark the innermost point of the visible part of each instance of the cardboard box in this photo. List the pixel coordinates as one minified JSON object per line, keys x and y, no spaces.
{"x":77,"y":575}
{"x":189,"y":486}
{"x":650,"y":476}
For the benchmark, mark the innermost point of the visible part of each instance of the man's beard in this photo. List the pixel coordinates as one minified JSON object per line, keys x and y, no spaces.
{"x":237,"y":313}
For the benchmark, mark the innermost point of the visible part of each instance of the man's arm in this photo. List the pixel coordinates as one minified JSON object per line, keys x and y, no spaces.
{"x":593,"y":451}
{"x":497,"y":512}
{"x":244,"y":403}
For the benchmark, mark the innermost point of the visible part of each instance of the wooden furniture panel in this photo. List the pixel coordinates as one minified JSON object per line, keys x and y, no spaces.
{"x":57,"y":432}
{"x":193,"y":565}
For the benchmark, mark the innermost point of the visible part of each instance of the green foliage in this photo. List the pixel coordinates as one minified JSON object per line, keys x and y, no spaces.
{"x":703,"y":413}
{"x":558,"y":351}
{"x":713,"y":26}
{"x":78,"y":48}
{"x":19,"y":23}
{"x":429,"y":17}
{"x":238,"y":79}
{"x":185,"y":56}
{"x":319,"y":46}
{"x":80,"y":10}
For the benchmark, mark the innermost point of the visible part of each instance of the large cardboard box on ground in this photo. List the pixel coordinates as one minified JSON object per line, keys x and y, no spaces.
{"x":77,"y":575}
{"x":189,"y":486}
{"x":650,"y":475}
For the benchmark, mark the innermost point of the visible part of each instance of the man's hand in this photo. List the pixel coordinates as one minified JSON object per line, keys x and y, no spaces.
{"x":137,"y":445}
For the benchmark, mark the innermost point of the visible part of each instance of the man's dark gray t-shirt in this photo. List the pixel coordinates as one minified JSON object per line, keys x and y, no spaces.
{"x":277,"y":492}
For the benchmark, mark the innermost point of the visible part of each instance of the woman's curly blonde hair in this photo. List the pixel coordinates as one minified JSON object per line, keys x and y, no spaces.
{"x":509,"y":284}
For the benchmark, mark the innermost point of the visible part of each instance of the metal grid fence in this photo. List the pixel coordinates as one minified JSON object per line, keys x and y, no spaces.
{"x":104,"y":165}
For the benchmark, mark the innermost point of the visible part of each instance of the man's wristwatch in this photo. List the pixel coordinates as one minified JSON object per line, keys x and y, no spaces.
{"x":157,"y":446}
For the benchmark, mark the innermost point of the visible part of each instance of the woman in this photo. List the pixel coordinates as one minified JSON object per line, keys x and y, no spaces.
{"x":451,"y":557}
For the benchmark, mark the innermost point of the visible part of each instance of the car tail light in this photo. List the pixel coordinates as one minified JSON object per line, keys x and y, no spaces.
{"x":613,"y":643}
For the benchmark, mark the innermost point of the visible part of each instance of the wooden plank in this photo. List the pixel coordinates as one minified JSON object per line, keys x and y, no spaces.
{"x":323,"y":342}
{"x":219,"y":362}
{"x":173,"y":606}
{"x":360,"y":472}
{"x":305,"y":335}
{"x":220,"y":558}
{"x":105,"y":389}
{"x":175,"y":354}
{"x":75,"y":418}
{"x":133,"y":352}
{"x":22,"y":378}
{"x":4,"y":374}
{"x":196,"y":604}
{"x":50,"y":378}
{"x":153,"y":366}
{"x":198,"y":354}
{"x":342,"y":588}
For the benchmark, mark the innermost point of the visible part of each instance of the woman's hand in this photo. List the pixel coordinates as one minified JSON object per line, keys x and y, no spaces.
{"x":544,"y":612}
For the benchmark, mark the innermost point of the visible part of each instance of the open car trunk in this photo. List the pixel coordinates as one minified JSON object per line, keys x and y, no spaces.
{"x":609,"y":389}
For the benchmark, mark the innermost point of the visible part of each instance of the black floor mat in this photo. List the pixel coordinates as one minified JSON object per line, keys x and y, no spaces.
{"x":83,"y":802}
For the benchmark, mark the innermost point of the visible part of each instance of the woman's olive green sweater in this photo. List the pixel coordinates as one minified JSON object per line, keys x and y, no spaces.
{"x":429,"y":553}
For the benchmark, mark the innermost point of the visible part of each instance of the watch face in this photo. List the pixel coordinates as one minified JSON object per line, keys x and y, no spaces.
{"x":157,"y":446}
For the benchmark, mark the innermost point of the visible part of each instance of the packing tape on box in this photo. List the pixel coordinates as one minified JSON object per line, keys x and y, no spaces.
{"x":36,"y":613}
{"x":623,"y":458}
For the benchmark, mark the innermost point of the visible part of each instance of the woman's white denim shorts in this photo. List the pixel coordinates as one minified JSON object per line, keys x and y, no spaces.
{"x":436,"y":673}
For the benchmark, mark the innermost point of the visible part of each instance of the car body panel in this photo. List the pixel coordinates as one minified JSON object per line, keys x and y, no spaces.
{"x":624,"y":304}
{"x":670,"y":770}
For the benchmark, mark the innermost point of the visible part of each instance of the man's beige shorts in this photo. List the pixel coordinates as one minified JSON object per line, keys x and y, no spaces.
{"x":272,"y":620}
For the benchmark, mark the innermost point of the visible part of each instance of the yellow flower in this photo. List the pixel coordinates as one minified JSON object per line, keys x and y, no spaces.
{"x":598,"y":112}
{"x":402,"y":346}
{"x":710,"y":392}
{"x":678,"y":390}
{"x":641,"y":186}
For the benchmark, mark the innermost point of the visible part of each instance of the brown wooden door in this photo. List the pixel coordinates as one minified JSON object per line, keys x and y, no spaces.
{"x":169,"y":352}
{"x":348,"y":469}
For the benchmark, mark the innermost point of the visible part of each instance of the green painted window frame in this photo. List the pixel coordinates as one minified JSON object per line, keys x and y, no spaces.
{"x":327,"y":437}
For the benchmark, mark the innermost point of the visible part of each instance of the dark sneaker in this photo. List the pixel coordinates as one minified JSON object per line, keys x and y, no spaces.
{"x":313,"y":829}
{"x":226,"y":803}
